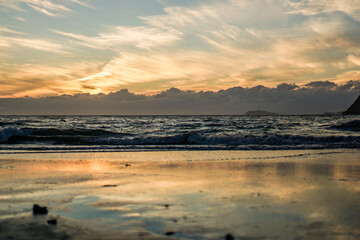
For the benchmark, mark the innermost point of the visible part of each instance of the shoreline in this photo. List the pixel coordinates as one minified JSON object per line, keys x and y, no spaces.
{"x":283,"y":194}
{"x":223,"y":154}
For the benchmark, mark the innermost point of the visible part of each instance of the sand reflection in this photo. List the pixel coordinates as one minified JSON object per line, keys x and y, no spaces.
{"x":277,"y":195}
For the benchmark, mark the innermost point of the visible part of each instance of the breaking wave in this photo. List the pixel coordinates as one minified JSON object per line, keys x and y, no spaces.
{"x":103,"y":139}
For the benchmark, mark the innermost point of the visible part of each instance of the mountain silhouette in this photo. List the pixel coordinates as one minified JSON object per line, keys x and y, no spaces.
{"x":354,"y":108}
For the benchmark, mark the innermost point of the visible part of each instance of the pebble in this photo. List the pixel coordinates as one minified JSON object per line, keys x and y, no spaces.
{"x":37,"y":210}
{"x":229,"y":237}
{"x":52,"y":221}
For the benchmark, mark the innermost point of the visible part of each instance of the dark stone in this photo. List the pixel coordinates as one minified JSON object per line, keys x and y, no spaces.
{"x":127,"y":165}
{"x":110,"y":186}
{"x":229,"y":237}
{"x":354,"y":108}
{"x":169,"y":233}
{"x":167,"y":205}
{"x":52,"y":221}
{"x":37,"y":210}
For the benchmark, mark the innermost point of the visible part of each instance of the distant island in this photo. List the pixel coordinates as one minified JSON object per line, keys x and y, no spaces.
{"x":354,"y":108}
{"x":260,"y":113}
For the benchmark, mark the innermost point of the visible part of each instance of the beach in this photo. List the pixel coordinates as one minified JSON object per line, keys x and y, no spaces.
{"x":279,"y":194}
{"x":180,"y":119}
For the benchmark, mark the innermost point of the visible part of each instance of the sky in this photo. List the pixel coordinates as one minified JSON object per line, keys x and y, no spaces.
{"x":53,"y":47}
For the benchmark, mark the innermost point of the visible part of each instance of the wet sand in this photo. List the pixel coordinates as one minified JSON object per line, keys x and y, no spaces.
{"x":311,"y":194}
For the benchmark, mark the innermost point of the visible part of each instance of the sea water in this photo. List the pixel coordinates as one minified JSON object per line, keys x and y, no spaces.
{"x":154,"y":133}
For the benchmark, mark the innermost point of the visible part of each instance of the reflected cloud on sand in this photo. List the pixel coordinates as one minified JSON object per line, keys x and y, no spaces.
{"x":195,"y":195}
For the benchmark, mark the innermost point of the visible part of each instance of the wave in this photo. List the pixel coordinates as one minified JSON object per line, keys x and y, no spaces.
{"x":15,"y":123}
{"x":194,"y":138}
{"x":66,"y":136}
{"x":8,"y":133}
{"x":349,"y":126}
{"x":103,"y":139}
{"x":73,"y":132}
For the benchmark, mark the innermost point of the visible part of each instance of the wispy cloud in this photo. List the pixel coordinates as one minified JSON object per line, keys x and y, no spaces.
{"x":47,"y":7}
{"x":39,"y":80}
{"x":314,"y":7}
{"x":82,"y":3}
{"x":7,"y":30}
{"x":141,"y":37}
{"x":20,"y":19}
{"x":37,"y":44}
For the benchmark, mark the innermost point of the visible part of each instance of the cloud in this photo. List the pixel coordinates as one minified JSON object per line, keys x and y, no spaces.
{"x":7,"y":30}
{"x":37,"y":44}
{"x":47,"y":7}
{"x":354,"y":59}
{"x":43,"y":80}
{"x":314,"y":7}
{"x":141,"y":37}
{"x":314,"y":98}
{"x":82,"y":3}
{"x":319,"y":84}
{"x":20,"y":19}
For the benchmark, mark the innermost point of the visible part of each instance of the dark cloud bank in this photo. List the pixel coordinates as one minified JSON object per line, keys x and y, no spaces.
{"x":313,"y":98}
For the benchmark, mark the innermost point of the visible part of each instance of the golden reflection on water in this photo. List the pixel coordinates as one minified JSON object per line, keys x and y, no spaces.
{"x":270,"y":195}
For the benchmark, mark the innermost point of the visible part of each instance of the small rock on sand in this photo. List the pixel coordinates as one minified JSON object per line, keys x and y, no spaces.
{"x":52,"y":221}
{"x":229,"y":237}
{"x":37,"y":210}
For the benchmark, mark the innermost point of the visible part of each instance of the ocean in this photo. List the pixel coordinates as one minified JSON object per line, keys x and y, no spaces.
{"x":162,"y":133}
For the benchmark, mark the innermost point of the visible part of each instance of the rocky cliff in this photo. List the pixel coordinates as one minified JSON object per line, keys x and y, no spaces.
{"x":354,"y":108}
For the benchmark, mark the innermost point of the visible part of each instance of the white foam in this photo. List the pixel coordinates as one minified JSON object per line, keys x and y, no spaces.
{"x":6,"y":133}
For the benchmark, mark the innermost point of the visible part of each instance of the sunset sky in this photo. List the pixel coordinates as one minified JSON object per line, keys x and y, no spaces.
{"x":50,"y":48}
